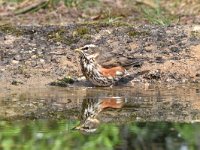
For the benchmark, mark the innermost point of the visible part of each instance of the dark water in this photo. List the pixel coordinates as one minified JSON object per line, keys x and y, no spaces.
{"x":156,"y":118}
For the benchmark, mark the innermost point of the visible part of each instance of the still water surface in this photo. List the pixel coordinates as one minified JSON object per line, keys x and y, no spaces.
{"x":101,"y":118}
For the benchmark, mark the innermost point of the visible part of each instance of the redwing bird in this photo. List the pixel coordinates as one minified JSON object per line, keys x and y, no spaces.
{"x":94,"y":72}
{"x":91,"y":108}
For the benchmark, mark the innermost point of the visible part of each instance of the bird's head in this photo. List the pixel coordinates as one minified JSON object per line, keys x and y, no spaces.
{"x":88,"y":126}
{"x":85,"y":49}
{"x":88,"y":50}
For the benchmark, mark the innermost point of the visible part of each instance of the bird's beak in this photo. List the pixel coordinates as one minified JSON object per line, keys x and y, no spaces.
{"x":78,"y":50}
{"x":76,"y":128}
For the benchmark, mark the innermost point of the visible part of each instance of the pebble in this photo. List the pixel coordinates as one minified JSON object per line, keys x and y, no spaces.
{"x":18,"y":57}
{"x":42,"y":61}
{"x":14,"y":62}
{"x":33,"y":57}
{"x":196,"y":28}
{"x":81,"y":78}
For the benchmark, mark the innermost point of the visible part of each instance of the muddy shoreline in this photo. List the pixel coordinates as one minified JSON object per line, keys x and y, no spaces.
{"x":180,"y":104}
{"x":39,"y":55}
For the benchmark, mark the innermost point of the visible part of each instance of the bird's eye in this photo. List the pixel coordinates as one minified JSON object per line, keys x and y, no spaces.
{"x":85,"y":127}
{"x":85,"y":48}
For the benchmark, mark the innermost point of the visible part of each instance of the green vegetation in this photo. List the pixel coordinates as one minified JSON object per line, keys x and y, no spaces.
{"x":9,"y":29}
{"x":81,"y":31}
{"x":157,"y":15}
{"x":60,"y":36}
{"x":57,"y":36}
{"x":15,"y":1}
{"x":152,"y":12}
{"x":69,"y":37}
{"x":54,"y":3}
{"x":54,"y":135}
{"x":195,"y":34}
{"x":64,"y":82}
{"x":57,"y":135}
{"x":99,"y":24}
{"x":133,"y":32}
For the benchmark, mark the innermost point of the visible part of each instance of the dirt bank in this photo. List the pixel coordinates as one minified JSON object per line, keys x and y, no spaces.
{"x":38,"y":55}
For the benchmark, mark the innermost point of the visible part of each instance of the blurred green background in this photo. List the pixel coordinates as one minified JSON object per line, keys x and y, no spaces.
{"x":57,"y":135}
{"x":61,"y":12}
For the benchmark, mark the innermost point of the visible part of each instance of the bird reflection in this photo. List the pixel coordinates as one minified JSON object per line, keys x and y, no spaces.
{"x":91,"y":108}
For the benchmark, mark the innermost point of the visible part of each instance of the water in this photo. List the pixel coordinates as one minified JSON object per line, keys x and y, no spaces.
{"x":101,"y":118}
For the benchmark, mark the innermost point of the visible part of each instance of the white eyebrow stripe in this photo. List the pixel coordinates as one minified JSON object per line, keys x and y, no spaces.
{"x":90,"y":45}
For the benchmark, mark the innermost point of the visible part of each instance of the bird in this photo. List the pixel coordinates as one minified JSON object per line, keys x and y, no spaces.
{"x":91,"y":108}
{"x":94,"y":72}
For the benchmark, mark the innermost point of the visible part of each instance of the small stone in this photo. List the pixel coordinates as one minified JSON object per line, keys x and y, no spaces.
{"x":42,"y":61}
{"x":184,"y":80}
{"x":33,"y":57}
{"x":33,"y":63}
{"x":15,"y":82}
{"x":175,"y":49}
{"x":39,"y":53}
{"x":196,"y":28}
{"x":14,"y":62}
{"x":18,"y":57}
{"x":170,"y":80}
{"x":81,"y":78}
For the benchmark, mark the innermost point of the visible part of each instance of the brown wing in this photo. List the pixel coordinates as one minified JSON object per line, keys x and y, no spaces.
{"x":113,"y":72}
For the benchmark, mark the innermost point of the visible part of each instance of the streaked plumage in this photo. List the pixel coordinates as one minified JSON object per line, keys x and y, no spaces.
{"x":95,"y":73}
